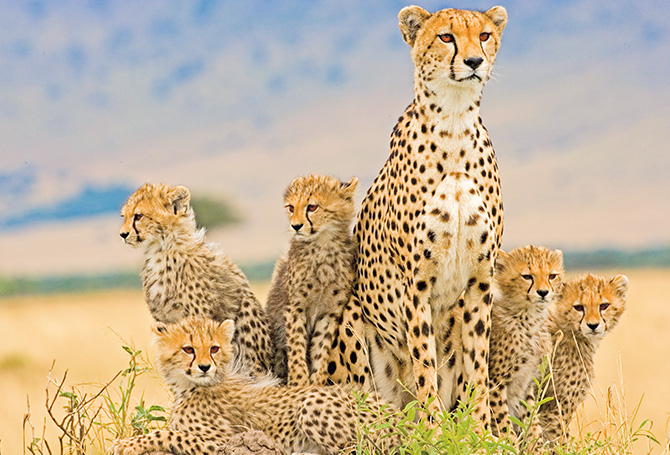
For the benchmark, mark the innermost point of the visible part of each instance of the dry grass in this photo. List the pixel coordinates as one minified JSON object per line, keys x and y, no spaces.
{"x":83,"y":334}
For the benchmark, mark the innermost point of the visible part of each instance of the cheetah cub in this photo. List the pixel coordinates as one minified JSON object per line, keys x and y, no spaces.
{"x":312,"y":282}
{"x":213,"y":401}
{"x":589,"y":308}
{"x":183,"y":276}
{"x":525,"y":282}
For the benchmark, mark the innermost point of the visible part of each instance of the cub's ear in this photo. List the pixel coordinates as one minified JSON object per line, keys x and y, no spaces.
{"x":349,"y":188}
{"x":620,"y":283}
{"x":227,"y":328}
{"x":411,"y":19}
{"x":159,"y":328}
{"x":179,"y":198}
{"x":501,"y":261}
{"x":498,"y":16}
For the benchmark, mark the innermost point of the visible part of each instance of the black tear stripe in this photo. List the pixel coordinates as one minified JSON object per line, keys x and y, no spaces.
{"x":311,"y":226}
{"x":453,"y":59}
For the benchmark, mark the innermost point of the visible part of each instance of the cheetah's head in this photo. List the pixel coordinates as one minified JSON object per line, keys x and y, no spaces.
{"x":591,"y":305}
{"x":318,"y":204}
{"x":195,"y":351}
{"x":453,"y":47}
{"x":530,"y":276}
{"x":153,"y":211}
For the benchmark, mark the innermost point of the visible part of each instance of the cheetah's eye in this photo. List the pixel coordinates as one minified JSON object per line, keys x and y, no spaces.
{"x":138,"y":216}
{"x":527,"y":277}
{"x":214,"y":349}
{"x":290,"y":208}
{"x":579,"y":308}
{"x":552,"y":276}
{"x":604,"y":306}
{"x":484,"y":36}
{"x":188,"y":349}
{"x":312,"y":207}
{"x":446,"y":38}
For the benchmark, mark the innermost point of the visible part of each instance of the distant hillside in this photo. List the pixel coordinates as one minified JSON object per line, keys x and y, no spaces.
{"x":611,"y":258}
{"x":262,"y":271}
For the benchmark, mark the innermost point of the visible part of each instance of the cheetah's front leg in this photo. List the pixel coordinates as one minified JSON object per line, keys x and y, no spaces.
{"x":476,"y":332}
{"x":421,"y":340}
{"x":296,"y":345}
{"x":324,"y":332}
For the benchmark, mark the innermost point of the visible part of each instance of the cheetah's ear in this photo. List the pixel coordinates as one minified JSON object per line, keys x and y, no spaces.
{"x":498,"y":15}
{"x":411,"y":19}
{"x":159,"y":328}
{"x":501,"y":261}
{"x":620,"y":283}
{"x":349,"y":188}
{"x":179,"y":198}
{"x":227,"y":329}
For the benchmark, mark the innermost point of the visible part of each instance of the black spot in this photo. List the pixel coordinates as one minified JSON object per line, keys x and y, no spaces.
{"x":479,"y":327}
{"x":425,"y":329}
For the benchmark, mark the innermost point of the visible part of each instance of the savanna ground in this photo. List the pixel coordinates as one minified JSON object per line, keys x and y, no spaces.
{"x":84,"y":334}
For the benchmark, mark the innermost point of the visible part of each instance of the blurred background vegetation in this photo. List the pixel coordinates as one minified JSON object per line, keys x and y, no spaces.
{"x":262,"y":271}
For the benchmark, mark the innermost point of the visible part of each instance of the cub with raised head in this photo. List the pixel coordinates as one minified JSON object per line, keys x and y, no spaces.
{"x":183,"y":276}
{"x":312,"y":282}
{"x":526,"y":281}
{"x":213,"y":401}
{"x":589,"y":308}
{"x":431,"y":225}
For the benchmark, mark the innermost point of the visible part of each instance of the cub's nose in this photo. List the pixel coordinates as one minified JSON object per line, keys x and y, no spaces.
{"x":204,"y":368}
{"x":124,"y":235}
{"x":473,"y":62}
{"x":592,"y":326}
{"x":542,"y":293}
{"x":296,"y":227}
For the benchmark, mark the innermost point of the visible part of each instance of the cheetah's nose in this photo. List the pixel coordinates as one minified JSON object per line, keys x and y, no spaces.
{"x":296,"y":227}
{"x":124,"y":235}
{"x":204,"y":368}
{"x":592,"y":326}
{"x":473,"y":62}
{"x":542,"y":292}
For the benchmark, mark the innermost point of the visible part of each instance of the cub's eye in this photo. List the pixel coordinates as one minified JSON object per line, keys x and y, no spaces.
{"x":552,"y":276}
{"x":527,"y":277}
{"x":214,"y":349}
{"x":604,"y":306}
{"x":188,"y":349}
{"x":446,"y":38}
{"x":579,"y":308}
{"x":484,"y":36}
{"x":290,"y":208}
{"x":138,"y":216}
{"x":312,"y":207}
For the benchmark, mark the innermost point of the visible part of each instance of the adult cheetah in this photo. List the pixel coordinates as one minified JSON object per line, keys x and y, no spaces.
{"x":431,"y":224}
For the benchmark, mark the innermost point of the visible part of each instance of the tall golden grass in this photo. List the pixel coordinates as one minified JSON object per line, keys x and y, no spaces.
{"x":83,"y":333}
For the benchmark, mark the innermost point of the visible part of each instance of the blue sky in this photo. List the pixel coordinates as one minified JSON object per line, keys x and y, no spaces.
{"x":237,"y":98}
